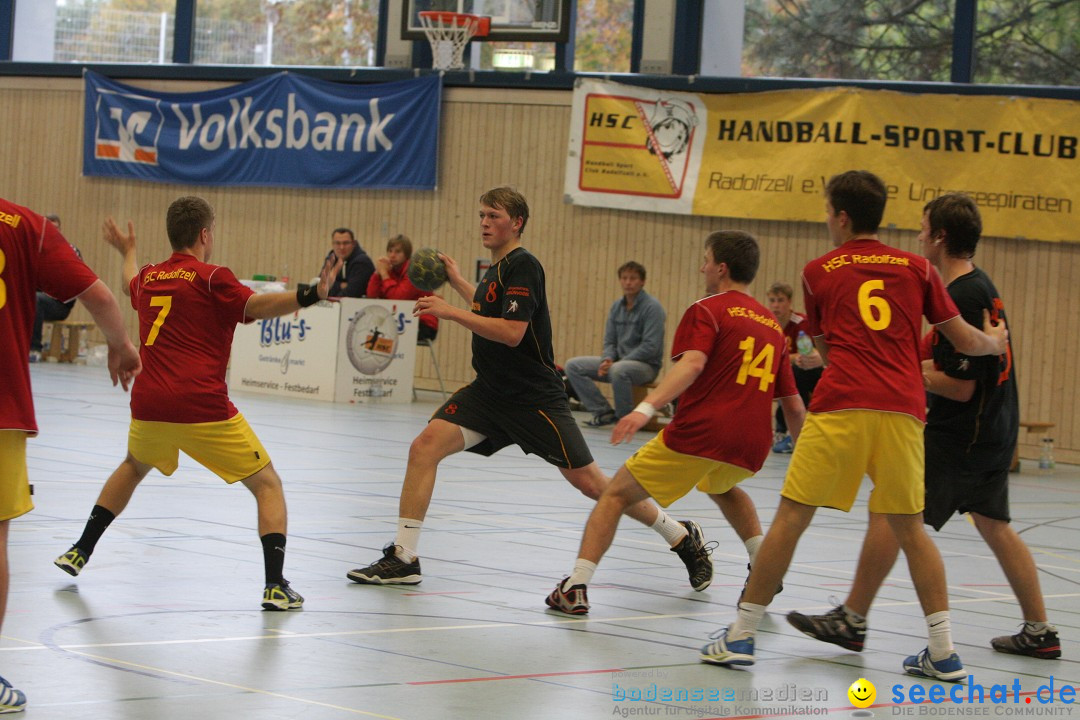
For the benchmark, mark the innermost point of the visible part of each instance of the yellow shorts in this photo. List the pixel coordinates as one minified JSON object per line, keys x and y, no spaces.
{"x":14,"y":483}
{"x":668,"y":475}
{"x":836,"y":449}
{"x":228,"y":448}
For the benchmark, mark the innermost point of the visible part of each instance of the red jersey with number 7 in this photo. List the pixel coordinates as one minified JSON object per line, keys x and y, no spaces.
{"x":33,"y":256}
{"x":188,"y":311}
{"x":868,"y":300}
{"x":726,"y":413}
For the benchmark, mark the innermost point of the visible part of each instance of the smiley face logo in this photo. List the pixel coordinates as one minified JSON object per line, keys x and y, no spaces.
{"x":862,"y":693}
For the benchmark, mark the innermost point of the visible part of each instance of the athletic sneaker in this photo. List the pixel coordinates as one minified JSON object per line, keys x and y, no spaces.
{"x":279,"y":596}
{"x":779,"y":587}
{"x":574,"y":601}
{"x":72,"y":561}
{"x":832,"y":627}
{"x":11,"y":700}
{"x":601,"y":419}
{"x":950,"y":669}
{"x":725,"y":652}
{"x":783,"y":445}
{"x":1045,"y":646}
{"x":389,"y":570}
{"x":694,"y":553}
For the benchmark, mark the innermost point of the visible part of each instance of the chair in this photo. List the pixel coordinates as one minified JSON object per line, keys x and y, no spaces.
{"x":429,"y":344}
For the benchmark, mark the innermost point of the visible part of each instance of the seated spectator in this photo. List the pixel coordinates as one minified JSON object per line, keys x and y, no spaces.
{"x":49,"y":309}
{"x":391,"y":281}
{"x":356,"y":268}
{"x":633,"y":351}
{"x":806,"y":362}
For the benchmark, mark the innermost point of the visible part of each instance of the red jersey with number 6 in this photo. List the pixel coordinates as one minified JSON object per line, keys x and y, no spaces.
{"x":33,"y":256}
{"x":188,"y":311}
{"x":868,"y":300}
{"x":726,"y":413}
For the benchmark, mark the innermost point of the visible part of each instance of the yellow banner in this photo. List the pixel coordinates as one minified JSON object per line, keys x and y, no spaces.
{"x":768,"y":155}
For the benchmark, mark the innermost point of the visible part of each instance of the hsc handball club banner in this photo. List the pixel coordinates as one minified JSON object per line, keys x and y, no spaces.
{"x":768,"y":155}
{"x":282,"y":130}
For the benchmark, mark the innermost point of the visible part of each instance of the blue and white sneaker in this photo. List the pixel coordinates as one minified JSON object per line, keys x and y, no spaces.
{"x":950,"y":669}
{"x":784,"y":445}
{"x":724,"y":652}
{"x":11,"y":700}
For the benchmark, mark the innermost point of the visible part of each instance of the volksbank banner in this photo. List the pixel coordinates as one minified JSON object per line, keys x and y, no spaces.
{"x":768,"y":155}
{"x":282,"y":130}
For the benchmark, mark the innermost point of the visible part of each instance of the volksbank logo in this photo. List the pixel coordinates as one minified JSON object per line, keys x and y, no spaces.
{"x":129,"y":132}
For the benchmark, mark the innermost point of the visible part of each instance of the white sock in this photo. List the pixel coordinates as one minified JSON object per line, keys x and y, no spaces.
{"x":408,"y":538}
{"x":752,"y":546}
{"x":746,"y":622}
{"x":853,"y":617}
{"x":582,"y":575}
{"x":1037,"y":628}
{"x":940,"y":629}
{"x":671,"y":530}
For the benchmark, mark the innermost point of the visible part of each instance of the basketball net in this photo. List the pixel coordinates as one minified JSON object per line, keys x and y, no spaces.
{"x":449,"y":33}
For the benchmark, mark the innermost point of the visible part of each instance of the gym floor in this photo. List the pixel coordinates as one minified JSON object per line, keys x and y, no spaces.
{"x":165,"y":620}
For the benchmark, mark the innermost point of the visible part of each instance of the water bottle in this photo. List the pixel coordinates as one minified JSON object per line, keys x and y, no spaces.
{"x":804,"y":343}
{"x":284,"y":277}
{"x":1046,"y":458}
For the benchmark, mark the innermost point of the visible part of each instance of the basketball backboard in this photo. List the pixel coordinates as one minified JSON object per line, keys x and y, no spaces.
{"x":524,"y":20}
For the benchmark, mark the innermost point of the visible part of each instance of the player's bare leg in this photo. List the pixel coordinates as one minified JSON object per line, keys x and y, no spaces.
{"x":265,"y":485}
{"x":111,"y":501}
{"x":11,"y":699}
{"x":400,"y":563}
{"x":1016,"y":561}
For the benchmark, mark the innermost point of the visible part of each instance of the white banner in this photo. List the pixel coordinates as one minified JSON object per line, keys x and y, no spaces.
{"x":294,"y":355}
{"x":376,"y":351}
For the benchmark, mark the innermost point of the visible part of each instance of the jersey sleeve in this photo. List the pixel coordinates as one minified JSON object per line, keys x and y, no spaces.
{"x":697,"y":330}
{"x":946,"y":358}
{"x":813,"y":317}
{"x":524,"y":283}
{"x":61,"y":272}
{"x":230,"y":294}
{"x":785,"y":378}
{"x":938,"y":307}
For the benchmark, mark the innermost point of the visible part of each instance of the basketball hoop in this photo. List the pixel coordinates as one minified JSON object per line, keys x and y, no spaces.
{"x":449,"y":33}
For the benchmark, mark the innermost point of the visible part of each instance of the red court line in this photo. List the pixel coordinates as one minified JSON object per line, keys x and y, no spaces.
{"x":516,"y":677}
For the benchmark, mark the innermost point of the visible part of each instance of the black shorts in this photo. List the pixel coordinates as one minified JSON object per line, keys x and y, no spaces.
{"x":548,"y":431}
{"x":953,"y":486}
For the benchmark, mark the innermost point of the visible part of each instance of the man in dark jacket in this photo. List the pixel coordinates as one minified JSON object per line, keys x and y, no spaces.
{"x":356,"y":269}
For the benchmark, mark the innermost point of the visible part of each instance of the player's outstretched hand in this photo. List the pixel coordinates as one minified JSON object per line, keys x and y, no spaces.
{"x":997,"y":331}
{"x":624,"y":429}
{"x":326,"y":277}
{"x":124,"y":364}
{"x":113,"y":236}
{"x":453,"y":273}
{"x":432,"y":305}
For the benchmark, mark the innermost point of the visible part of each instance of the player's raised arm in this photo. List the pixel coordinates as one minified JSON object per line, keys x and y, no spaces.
{"x":125,"y":245}
{"x":993,"y":340}
{"x":461,"y":286}
{"x":274,"y":304}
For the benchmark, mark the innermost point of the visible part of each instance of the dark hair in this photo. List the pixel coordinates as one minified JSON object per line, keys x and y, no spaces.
{"x":631,"y":266}
{"x":53,"y":218}
{"x":958,"y":216}
{"x":781,"y":288}
{"x":185,"y":220}
{"x":861,"y":194}
{"x":344,"y":230}
{"x":402,"y":242}
{"x":511,"y":201}
{"x":738,"y":250}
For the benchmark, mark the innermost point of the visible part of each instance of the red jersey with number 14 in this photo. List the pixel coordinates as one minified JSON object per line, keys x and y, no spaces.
{"x":726,"y":414}
{"x":33,"y":256}
{"x":868,"y":300}
{"x":188,"y":311}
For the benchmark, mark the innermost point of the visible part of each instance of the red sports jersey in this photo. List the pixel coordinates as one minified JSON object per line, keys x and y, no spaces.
{"x":726,"y":414}
{"x":188,"y":311}
{"x":795,"y":324}
{"x":868,"y":299}
{"x":33,"y":256}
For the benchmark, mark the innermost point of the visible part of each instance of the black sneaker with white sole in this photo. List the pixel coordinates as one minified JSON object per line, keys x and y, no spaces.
{"x":694,"y":552}
{"x":388,"y":570}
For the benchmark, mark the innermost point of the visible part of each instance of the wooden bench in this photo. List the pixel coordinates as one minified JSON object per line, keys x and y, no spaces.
{"x":74,"y":329}
{"x":662,"y":417}
{"x":1030,"y":427}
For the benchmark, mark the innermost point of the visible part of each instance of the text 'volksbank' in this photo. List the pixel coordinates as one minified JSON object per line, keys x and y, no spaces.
{"x":292,"y":126}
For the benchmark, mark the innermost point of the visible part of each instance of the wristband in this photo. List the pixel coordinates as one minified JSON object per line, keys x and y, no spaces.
{"x":308,"y":297}
{"x":646,"y":409}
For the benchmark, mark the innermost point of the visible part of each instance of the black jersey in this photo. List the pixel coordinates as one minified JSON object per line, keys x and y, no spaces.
{"x":981,"y":431}
{"x":514,"y":288}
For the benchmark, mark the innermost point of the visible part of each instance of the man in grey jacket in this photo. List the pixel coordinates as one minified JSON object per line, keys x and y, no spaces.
{"x":633,"y":350}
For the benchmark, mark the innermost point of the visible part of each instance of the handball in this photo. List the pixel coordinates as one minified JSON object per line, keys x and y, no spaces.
{"x":426,"y":271}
